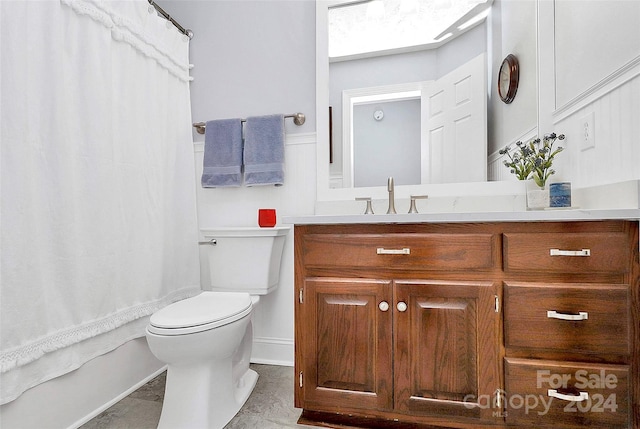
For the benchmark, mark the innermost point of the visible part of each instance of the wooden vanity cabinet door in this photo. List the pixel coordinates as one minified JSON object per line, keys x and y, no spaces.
{"x":348,"y":344}
{"x":446,"y":348}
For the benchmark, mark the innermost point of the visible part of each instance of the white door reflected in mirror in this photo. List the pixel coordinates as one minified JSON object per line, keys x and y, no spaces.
{"x":433,"y":131}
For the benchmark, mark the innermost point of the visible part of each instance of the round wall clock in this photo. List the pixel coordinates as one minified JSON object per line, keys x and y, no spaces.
{"x":508,"y":78}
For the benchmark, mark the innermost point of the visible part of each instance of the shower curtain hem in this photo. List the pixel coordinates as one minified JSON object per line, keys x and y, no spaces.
{"x":27,"y":353}
{"x":48,"y":365}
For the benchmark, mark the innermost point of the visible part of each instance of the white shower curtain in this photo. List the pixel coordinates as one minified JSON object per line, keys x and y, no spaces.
{"x":98,"y":216}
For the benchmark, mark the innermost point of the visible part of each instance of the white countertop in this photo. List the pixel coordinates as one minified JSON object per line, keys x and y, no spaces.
{"x":513,"y":216}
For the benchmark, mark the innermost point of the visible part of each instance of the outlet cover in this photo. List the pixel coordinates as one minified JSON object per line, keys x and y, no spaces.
{"x":587,"y":131}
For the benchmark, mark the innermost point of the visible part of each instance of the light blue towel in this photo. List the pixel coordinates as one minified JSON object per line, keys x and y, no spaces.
{"x":264,"y":150}
{"x":222,"y":165}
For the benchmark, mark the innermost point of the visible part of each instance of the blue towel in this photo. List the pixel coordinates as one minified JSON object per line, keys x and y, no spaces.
{"x":222,"y":165}
{"x":264,"y":150}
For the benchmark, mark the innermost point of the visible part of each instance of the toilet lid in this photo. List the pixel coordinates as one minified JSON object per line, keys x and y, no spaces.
{"x":208,"y":308}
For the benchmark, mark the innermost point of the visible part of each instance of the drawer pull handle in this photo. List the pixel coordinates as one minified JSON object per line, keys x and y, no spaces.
{"x":383,"y":306}
{"x":558,"y":252}
{"x":552,"y":314}
{"x":583,"y":396}
{"x":403,"y":251}
{"x":402,"y":306}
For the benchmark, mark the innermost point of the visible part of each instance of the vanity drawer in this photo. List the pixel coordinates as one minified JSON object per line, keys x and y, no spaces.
{"x":401,"y":251}
{"x":566,"y":394}
{"x":573,"y":253}
{"x":585,"y":318}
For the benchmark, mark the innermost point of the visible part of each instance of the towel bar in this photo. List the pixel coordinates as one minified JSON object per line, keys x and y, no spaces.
{"x":298,"y":119}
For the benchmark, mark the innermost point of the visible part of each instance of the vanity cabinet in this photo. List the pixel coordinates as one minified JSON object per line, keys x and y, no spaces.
{"x":397,"y":322}
{"x":464,"y":325}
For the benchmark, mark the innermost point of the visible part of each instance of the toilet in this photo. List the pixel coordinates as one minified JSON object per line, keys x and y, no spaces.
{"x":206,"y":340}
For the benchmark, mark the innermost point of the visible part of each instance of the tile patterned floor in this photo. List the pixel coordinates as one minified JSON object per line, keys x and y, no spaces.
{"x":270,"y":405}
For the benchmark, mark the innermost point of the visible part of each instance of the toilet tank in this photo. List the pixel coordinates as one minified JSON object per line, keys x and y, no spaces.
{"x":242,"y":259}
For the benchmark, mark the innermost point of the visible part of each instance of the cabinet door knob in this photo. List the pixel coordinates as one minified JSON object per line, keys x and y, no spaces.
{"x":383,"y":306}
{"x":402,"y":306}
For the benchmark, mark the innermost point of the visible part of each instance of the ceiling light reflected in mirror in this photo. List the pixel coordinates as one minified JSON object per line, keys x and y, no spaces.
{"x":360,"y":27}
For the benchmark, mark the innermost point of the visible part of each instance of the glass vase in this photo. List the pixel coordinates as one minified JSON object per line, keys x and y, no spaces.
{"x":537,"y":197}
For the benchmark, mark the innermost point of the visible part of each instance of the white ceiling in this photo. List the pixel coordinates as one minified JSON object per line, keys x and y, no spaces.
{"x":377,"y":25}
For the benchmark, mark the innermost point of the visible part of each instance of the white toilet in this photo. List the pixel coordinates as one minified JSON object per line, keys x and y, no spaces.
{"x":206,"y":340}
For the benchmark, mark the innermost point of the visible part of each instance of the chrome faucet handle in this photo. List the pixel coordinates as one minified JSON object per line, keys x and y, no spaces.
{"x":392,"y":204}
{"x":413,"y":208}
{"x":369,"y":209}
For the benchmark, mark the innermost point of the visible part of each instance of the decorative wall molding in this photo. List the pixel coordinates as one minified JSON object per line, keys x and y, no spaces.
{"x":300,"y":138}
{"x":598,"y":90}
{"x":495,"y":168}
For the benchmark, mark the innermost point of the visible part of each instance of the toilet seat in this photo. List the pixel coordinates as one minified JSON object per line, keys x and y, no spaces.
{"x":202,"y":312}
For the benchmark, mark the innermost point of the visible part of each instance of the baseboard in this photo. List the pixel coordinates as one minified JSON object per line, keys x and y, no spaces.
{"x":272,"y":351}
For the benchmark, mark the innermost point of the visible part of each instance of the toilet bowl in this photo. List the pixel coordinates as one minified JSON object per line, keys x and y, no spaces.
{"x":206,"y":340}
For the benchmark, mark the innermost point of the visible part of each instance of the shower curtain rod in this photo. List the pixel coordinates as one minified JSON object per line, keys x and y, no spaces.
{"x":298,"y":119}
{"x":161,"y":11}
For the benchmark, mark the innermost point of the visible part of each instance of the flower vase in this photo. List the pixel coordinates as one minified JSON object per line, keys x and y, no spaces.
{"x":537,"y":197}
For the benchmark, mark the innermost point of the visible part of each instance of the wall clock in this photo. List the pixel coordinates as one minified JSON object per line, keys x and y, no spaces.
{"x":508,"y":78}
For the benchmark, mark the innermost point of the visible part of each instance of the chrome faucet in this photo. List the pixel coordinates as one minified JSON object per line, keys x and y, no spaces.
{"x":392,"y":205}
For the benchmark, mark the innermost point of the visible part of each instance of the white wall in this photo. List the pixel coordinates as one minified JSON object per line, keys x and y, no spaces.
{"x":603,"y":38}
{"x":610,"y":28}
{"x":584,"y":59}
{"x":512,"y":30}
{"x":250,"y":57}
{"x":389,"y":147}
{"x":255,"y":58}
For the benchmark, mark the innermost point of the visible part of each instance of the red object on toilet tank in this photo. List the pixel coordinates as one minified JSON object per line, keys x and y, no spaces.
{"x":267,"y":218}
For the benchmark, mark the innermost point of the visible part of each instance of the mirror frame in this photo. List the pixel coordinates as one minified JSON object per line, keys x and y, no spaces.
{"x":323,"y":191}
{"x":322,"y":101}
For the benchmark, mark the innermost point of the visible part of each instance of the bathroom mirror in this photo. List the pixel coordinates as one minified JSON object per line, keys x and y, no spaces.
{"x":351,"y":73}
{"x":560,"y":80}
{"x":331,"y":180}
